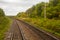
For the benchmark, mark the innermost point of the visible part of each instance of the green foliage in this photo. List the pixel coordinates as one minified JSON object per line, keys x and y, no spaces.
{"x":4,"y":24}
{"x":36,"y":10}
{"x":1,"y":12}
{"x":31,"y":12}
{"x":40,"y":8}
{"x":54,"y":2}
{"x":52,"y":10}
{"x":22,"y":14}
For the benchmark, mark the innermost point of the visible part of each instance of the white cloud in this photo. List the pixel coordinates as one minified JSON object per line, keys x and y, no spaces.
{"x":12,"y":7}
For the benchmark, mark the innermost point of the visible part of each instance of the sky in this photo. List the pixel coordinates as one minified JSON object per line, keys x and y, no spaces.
{"x":12,"y":7}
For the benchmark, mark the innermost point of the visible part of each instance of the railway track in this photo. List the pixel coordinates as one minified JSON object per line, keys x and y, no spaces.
{"x":14,"y":33}
{"x":23,"y":31}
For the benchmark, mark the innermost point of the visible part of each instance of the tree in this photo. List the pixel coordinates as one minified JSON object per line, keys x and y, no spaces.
{"x":53,"y":9}
{"x":2,"y":12}
{"x":53,"y":2}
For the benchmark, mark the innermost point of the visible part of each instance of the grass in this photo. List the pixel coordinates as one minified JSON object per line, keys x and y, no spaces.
{"x":4,"y":25}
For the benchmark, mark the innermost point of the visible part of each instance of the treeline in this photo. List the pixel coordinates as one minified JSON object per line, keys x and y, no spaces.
{"x":52,"y":9}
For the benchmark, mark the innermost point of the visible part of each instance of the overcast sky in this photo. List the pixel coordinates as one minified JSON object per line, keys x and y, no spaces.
{"x":12,"y":7}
